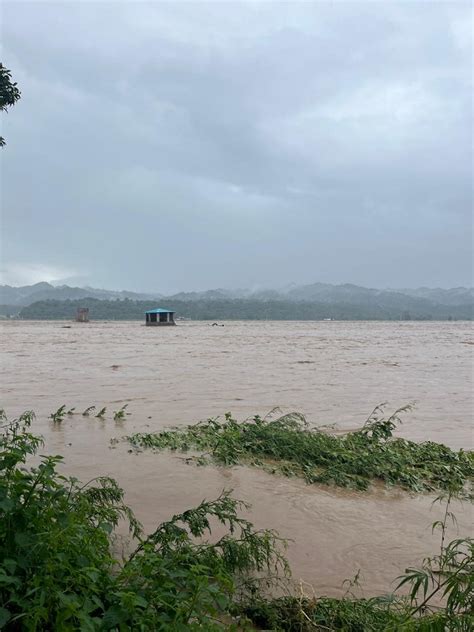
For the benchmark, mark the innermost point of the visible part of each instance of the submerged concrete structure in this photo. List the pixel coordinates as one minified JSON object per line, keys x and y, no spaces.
{"x":159,"y":316}
{"x":82,"y":315}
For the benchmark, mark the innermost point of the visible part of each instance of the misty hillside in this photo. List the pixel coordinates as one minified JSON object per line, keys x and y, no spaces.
{"x":345,"y":293}
{"x":28,"y":294}
{"x":454,"y":296}
{"x":314,"y":301}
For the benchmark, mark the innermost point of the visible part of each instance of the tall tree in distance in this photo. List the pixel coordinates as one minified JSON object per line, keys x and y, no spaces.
{"x":9,"y":93}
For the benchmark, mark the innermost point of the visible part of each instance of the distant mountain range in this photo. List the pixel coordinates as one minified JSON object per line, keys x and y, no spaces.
{"x":346,"y":293}
{"x":28,"y":294}
{"x":454,"y":296}
{"x":323,"y":293}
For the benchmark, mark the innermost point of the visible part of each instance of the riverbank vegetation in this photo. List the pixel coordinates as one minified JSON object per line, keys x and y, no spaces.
{"x":59,"y":571}
{"x":289,"y":446}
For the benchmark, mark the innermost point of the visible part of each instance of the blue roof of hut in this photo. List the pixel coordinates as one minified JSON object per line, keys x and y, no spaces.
{"x":160,"y":310}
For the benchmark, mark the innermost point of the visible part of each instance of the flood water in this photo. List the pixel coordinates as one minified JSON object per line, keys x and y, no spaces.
{"x":333,"y":372}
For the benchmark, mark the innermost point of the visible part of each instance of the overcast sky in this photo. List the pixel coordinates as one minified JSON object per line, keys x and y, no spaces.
{"x":185,"y":146}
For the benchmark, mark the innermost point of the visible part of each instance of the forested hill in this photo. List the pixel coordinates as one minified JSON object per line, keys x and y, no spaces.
{"x":249,"y":309}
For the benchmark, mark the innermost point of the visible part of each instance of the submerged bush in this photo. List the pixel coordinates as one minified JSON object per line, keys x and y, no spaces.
{"x":292,"y":614}
{"x":289,"y":446}
{"x":303,"y":614}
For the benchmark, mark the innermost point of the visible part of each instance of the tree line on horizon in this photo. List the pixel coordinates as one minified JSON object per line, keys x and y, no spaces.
{"x":241,"y":309}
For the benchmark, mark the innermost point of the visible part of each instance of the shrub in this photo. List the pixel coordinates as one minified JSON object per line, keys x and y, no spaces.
{"x":290,"y":447}
{"x":58,"y":572}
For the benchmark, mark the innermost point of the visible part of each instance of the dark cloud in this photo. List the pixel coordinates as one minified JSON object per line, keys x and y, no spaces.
{"x":190,"y":145}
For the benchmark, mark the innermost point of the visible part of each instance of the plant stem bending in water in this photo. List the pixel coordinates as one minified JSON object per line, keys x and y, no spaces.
{"x":120,"y":414}
{"x":59,"y":414}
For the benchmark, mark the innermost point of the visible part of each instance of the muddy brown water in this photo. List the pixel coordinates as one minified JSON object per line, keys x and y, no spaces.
{"x":333,"y":372}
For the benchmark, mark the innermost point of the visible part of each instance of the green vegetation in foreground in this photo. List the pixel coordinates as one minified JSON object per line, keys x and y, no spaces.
{"x":58,"y":573}
{"x":290,"y":447}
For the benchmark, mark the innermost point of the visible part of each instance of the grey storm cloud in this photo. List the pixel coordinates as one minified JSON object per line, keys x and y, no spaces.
{"x":168,"y":146}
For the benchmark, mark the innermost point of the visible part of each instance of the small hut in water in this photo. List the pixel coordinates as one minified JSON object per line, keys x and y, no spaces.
{"x":82,"y":315}
{"x":159,"y":317}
